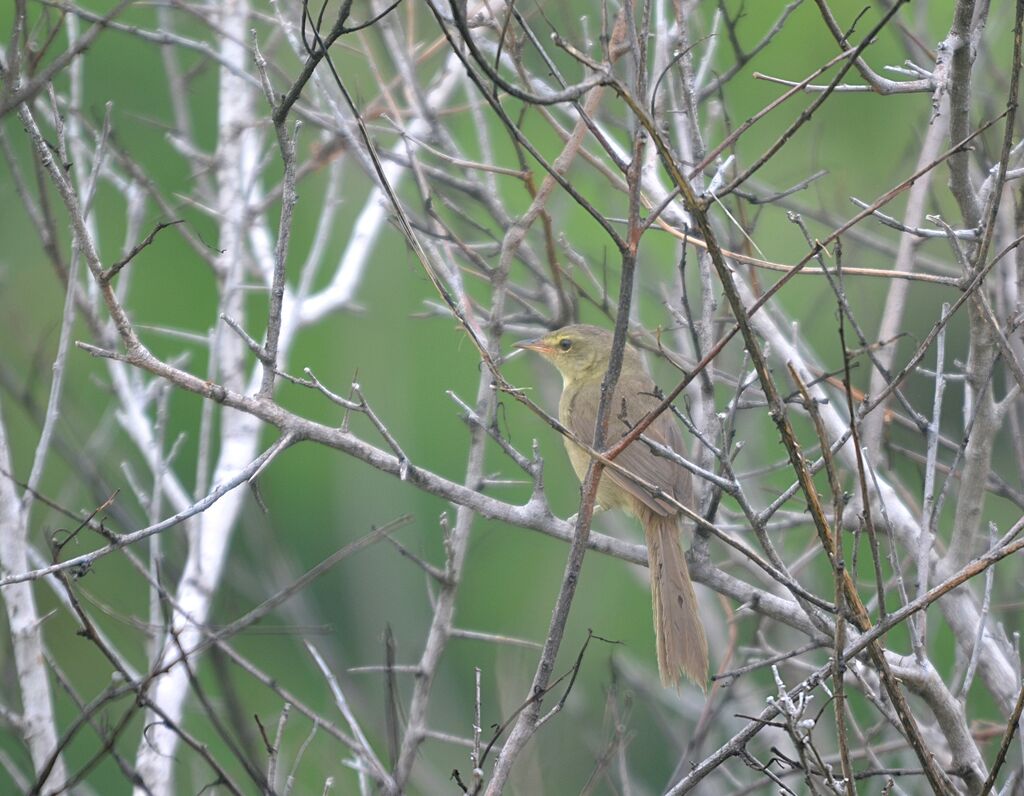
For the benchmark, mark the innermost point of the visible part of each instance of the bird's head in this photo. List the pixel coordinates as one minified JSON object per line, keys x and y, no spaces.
{"x":579,"y":352}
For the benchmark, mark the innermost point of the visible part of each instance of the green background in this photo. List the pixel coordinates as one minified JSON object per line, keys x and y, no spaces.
{"x":319,"y":500}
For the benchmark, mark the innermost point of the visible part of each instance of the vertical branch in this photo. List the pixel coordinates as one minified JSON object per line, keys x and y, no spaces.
{"x":441,"y":623}
{"x":837,"y":559}
{"x":530,"y":717}
{"x":985,"y":336}
{"x":928,"y":513}
{"x":37,"y":723}
{"x":236,"y":173}
{"x":983,"y":426}
{"x":892,"y":316}
{"x":286,"y":143}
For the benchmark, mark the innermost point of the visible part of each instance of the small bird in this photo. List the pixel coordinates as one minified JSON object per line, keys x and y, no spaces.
{"x":581,"y":353}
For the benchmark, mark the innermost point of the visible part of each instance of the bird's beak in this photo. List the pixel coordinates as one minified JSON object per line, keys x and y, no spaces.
{"x":535,"y":344}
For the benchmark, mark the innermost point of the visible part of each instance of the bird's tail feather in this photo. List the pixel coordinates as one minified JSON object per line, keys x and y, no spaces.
{"x":679,"y":632}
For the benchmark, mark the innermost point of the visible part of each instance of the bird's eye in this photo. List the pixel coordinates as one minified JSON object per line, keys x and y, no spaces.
{"x":565,"y":343}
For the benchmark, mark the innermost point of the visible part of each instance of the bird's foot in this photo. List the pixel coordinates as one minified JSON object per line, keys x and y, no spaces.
{"x":598,"y":508}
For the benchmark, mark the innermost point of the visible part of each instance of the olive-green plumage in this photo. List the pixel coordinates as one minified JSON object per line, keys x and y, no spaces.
{"x":582,"y":353}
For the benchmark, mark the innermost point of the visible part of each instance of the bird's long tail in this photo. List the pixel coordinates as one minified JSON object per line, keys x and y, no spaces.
{"x":678,"y":630}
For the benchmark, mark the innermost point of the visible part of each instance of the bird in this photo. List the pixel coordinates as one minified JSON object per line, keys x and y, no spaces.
{"x":581,"y":353}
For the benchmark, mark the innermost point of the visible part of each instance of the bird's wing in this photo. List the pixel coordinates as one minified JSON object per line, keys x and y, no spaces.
{"x":627,"y":409}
